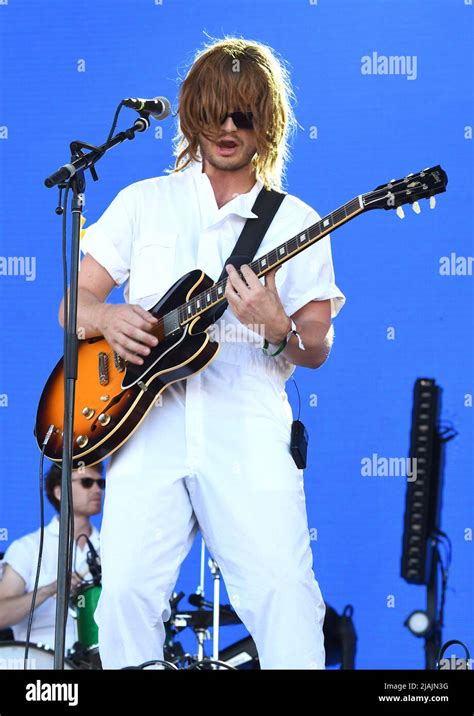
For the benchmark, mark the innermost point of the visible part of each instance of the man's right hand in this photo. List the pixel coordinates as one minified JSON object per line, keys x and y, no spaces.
{"x":49,"y":590}
{"x":126,"y":327}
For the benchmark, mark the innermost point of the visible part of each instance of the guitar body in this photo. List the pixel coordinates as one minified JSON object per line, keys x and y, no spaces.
{"x":112,"y":398}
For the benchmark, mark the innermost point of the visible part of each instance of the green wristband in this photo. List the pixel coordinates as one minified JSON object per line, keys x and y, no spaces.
{"x":279,"y":349}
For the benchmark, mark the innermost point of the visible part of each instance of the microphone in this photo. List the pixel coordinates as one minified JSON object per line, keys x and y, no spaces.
{"x":196,"y":600}
{"x":158,"y":107}
{"x":94,"y":563}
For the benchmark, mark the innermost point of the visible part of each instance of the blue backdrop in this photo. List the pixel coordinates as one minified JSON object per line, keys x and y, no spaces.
{"x":66,"y":65}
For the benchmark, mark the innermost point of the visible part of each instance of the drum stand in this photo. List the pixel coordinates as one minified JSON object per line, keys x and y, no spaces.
{"x":216,"y":574}
{"x":199,"y":620}
{"x":201,"y":661}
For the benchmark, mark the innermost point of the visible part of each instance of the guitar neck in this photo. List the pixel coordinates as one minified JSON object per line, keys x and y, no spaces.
{"x":214,"y":295}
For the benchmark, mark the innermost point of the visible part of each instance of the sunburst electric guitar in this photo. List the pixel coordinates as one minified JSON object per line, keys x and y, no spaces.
{"x":113,"y":396}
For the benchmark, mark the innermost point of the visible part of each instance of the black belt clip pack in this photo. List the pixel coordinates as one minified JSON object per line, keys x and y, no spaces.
{"x":299,"y":444}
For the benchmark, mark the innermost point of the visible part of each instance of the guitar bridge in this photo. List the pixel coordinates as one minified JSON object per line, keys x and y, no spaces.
{"x":119,"y":362}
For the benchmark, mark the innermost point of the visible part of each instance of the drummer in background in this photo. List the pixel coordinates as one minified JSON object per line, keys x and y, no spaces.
{"x":20,"y":560}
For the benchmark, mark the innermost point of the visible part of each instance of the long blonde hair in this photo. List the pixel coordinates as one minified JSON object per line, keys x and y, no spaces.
{"x":234,"y":73}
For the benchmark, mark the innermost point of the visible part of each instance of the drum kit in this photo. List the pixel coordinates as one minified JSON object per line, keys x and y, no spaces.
{"x":242,"y":655}
{"x":200,"y":620}
{"x":85,"y":652}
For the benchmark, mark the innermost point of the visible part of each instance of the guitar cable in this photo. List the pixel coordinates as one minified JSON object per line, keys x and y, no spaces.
{"x":40,"y":551}
{"x":299,"y":437}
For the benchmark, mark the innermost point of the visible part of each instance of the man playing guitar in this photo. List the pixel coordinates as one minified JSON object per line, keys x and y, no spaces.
{"x":214,"y":453}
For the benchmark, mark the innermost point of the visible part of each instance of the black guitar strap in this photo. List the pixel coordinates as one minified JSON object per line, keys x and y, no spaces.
{"x":266,"y":206}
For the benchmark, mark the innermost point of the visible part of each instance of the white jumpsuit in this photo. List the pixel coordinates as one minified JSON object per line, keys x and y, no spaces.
{"x":214,"y":453}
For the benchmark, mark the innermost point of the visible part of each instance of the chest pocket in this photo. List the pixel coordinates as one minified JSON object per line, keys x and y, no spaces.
{"x":152,"y":268}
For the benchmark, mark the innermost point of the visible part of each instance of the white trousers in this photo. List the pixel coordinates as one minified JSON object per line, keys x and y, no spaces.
{"x":215,"y":456}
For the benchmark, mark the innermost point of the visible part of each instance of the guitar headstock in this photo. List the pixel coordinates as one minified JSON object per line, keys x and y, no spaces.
{"x":408,"y":190}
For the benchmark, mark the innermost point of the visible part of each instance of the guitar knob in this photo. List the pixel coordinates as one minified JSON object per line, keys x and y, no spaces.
{"x":400,"y":212}
{"x":82,"y":440}
{"x":88,"y":412}
{"x":416,"y":207}
{"x":104,"y":419}
{"x":432,"y":202}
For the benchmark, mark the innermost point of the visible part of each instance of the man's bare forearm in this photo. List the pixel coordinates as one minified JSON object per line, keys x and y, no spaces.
{"x":14,"y":609}
{"x":90,"y":312}
{"x":317,"y":340}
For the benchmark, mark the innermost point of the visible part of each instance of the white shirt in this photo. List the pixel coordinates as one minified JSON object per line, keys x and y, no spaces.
{"x":158,"y":229}
{"x":22,"y":556}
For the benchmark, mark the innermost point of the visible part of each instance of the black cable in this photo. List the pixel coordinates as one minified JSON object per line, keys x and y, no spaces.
{"x":84,"y":582}
{"x":207,"y":662}
{"x":451,"y":643}
{"x":299,"y":397}
{"x":447,"y":431}
{"x":76,"y":540}
{"x":444,"y":584}
{"x":442,"y":539}
{"x":165,"y":664}
{"x":114,"y":123}
{"x":445,"y":537}
{"x":40,"y":558}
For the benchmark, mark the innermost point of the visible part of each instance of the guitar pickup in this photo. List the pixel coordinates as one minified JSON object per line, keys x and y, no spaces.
{"x":103,"y":368}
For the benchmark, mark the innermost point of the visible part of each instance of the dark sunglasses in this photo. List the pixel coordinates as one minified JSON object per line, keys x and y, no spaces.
{"x":87,"y":482}
{"x":242,"y":120}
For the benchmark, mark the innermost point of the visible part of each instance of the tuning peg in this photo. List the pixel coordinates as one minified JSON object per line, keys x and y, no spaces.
{"x":400,"y":212}
{"x":416,"y":207}
{"x":432,"y":202}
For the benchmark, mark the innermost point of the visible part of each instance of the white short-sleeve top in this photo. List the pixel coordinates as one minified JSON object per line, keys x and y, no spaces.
{"x":158,"y":229}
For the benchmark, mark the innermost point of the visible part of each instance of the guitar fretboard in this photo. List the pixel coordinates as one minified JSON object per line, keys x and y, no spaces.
{"x":262,"y":265}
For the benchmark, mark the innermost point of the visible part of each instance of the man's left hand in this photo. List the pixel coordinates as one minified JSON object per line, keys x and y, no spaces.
{"x":255,"y":305}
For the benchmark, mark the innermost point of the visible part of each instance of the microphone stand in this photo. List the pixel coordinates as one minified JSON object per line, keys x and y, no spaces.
{"x":201,"y":633}
{"x":215,"y":571}
{"x":72,"y":175}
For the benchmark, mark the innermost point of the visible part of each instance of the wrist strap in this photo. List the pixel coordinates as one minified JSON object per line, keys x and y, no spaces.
{"x":284,"y":342}
{"x":279,"y":349}
{"x":294,"y":332}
